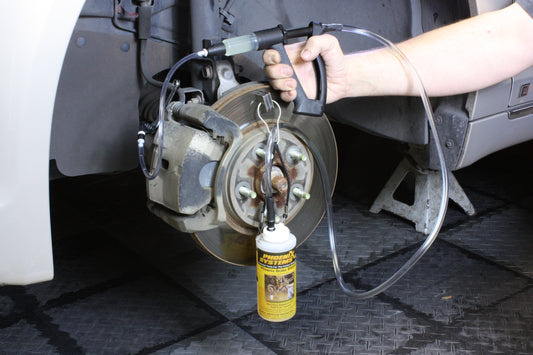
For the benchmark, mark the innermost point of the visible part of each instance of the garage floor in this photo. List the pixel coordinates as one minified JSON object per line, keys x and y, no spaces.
{"x":127,"y":283}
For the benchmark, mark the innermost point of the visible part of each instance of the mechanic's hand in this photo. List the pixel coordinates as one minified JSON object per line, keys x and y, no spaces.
{"x":301,"y":56}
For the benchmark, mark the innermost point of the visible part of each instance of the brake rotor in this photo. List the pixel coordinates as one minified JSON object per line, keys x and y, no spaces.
{"x":234,"y":240}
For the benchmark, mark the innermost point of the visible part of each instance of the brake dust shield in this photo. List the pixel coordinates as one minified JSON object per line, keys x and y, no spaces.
{"x":234,"y":240}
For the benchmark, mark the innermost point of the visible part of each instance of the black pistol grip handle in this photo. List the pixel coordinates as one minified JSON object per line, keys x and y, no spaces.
{"x":302,"y":104}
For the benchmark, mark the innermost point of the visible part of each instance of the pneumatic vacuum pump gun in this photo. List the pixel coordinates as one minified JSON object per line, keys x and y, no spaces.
{"x":276,"y":38}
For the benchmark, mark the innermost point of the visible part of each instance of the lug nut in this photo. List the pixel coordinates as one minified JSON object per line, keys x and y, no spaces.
{"x":260,"y":152}
{"x":301,"y":193}
{"x":295,"y":154}
{"x":246,"y":192}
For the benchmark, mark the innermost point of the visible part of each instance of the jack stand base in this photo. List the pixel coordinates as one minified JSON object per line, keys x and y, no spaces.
{"x":427,"y":195}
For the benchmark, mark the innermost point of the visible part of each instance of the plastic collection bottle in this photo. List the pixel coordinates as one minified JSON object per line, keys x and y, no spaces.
{"x":276,"y":274}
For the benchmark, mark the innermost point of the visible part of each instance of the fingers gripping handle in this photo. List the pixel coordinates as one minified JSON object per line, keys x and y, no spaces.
{"x":302,"y":104}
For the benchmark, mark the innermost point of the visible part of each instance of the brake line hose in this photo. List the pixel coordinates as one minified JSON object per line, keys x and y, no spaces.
{"x":161,"y":118}
{"x":327,"y":187}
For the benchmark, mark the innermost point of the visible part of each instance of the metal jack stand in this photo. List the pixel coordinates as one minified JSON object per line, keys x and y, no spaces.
{"x":427,"y":195}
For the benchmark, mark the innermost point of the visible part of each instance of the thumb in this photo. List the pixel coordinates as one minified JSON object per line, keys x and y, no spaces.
{"x":309,"y":52}
{"x":316,"y":45}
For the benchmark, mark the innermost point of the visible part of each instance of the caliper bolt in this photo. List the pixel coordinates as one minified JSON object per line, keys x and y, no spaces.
{"x":246,"y":192}
{"x":301,"y":193}
{"x":295,"y":154}
{"x":207,"y":72}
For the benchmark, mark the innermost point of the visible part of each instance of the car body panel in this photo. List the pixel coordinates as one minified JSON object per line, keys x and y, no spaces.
{"x":36,"y":45}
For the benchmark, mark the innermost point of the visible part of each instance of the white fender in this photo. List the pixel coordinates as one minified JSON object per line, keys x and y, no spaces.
{"x":34,"y":39}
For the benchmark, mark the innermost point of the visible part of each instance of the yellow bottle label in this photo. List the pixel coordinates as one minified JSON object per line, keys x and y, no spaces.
{"x":276,"y":285}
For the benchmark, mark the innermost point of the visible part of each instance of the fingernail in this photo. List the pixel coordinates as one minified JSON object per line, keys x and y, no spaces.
{"x":306,"y":54}
{"x":286,"y":72}
{"x":291,"y":85}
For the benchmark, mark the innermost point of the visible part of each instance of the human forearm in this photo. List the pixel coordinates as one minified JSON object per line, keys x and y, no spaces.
{"x":459,"y":58}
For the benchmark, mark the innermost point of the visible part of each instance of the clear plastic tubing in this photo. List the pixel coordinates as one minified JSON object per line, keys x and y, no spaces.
{"x":161,"y":118}
{"x":241,"y":44}
{"x":327,"y":187}
{"x":269,"y":158}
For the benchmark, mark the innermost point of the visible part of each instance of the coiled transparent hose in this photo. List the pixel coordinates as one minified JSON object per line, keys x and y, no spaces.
{"x":161,"y":117}
{"x":444,"y":171}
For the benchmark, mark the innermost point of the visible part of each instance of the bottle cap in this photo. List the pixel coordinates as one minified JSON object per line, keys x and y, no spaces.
{"x":280,"y":234}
